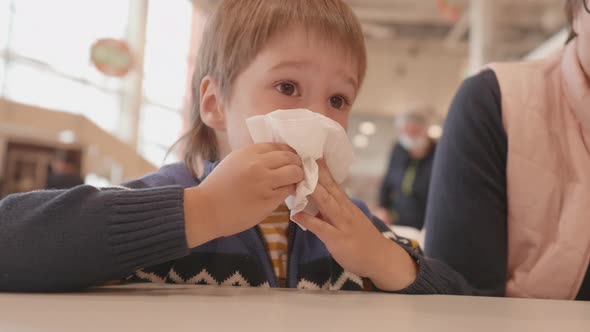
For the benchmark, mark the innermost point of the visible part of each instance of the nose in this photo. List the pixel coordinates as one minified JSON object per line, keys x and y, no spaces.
{"x":321,"y":107}
{"x":318,"y":106}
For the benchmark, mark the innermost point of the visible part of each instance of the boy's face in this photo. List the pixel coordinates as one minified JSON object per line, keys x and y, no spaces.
{"x":294,"y":70}
{"x":582,"y":27}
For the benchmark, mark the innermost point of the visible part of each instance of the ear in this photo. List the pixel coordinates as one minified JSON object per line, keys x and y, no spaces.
{"x":211,"y":104}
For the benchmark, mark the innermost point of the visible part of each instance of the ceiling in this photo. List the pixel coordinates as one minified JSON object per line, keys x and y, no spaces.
{"x":520,"y":25}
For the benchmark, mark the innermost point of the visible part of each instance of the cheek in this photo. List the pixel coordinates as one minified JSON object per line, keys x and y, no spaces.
{"x":584,"y":39}
{"x":236,"y":129}
{"x":248,"y":95}
{"x":243,"y":104}
{"x":238,"y":134}
{"x":273,"y":100}
{"x":341,"y":118}
{"x":584,"y":54}
{"x":263,"y":100}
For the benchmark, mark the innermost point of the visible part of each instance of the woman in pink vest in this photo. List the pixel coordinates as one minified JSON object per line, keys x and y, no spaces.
{"x":510,"y":196}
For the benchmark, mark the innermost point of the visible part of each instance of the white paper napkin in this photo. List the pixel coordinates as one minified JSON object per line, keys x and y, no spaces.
{"x":313,"y":136}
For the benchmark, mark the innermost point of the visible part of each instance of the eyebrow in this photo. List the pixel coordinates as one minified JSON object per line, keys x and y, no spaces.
{"x":297,"y":64}
{"x":301,"y":64}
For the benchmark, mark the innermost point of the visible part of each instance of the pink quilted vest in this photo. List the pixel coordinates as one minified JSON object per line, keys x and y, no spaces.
{"x":546,"y":115}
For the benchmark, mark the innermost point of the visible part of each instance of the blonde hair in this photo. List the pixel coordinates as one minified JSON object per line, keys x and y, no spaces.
{"x":236,"y":32}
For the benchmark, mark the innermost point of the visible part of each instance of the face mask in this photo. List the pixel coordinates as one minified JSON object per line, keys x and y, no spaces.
{"x":410,"y":143}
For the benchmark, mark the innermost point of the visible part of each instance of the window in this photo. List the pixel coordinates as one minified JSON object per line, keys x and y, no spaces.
{"x":42,"y":87}
{"x":4,"y":32}
{"x":155,"y":154}
{"x":160,"y":126}
{"x":166,"y":59}
{"x":45,"y":61}
{"x":4,"y":23}
{"x":166,"y":53}
{"x":65,"y":47}
{"x":48,"y":64}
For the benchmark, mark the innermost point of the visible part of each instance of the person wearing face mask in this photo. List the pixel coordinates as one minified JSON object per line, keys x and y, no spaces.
{"x":508,"y":206}
{"x":404,"y":189}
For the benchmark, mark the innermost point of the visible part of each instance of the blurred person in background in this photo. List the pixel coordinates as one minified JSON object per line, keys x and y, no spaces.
{"x":404,"y":190}
{"x":64,"y":172}
{"x":508,"y":207}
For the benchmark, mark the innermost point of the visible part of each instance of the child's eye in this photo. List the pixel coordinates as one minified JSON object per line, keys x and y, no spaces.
{"x":338,"y":102}
{"x":287,"y":88}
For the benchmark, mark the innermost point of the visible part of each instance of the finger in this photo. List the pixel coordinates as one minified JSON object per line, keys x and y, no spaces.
{"x":327,"y":181}
{"x":281,"y":193}
{"x":286,"y":175}
{"x":278,"y":159}
{"x":270,"y":147}
{"x":320,"y":228}
{"x":329,"y":207}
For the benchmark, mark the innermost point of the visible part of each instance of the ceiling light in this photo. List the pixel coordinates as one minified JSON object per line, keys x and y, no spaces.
{"x":368,"y":128}
{"x":67,"y":136}
{"x":435,"y":132}
{"x":360,"y":141}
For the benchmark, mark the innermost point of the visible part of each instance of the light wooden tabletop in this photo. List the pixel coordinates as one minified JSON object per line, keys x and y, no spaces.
{"x":205,"y":308}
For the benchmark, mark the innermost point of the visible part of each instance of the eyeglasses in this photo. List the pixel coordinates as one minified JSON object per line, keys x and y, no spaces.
{"x":587,"y":5}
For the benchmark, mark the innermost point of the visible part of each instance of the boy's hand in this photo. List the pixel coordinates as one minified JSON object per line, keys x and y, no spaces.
{"x":354,"y":242}
{"x":244,"y":188}
{"x":384,"y":215}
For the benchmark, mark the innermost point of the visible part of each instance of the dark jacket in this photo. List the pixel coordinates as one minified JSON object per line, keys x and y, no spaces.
{"x":410,"y":206}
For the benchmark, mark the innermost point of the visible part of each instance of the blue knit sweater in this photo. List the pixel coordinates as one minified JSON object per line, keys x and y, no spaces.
{"x":68,"y":240}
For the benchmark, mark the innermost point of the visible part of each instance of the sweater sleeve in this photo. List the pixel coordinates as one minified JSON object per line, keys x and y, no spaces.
{"x":66,"y":240}
{"x":434,"y":277}
{"x":466,"y":217}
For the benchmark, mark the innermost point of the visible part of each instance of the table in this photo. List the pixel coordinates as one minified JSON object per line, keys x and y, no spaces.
{"x":204,"y":308}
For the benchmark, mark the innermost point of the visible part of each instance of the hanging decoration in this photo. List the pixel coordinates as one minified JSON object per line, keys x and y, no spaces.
{"x":112,"y":57}
{"x":450,"y":9}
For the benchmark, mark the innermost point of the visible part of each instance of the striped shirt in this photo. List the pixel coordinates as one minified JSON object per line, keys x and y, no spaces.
{"x":274,"y":230}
